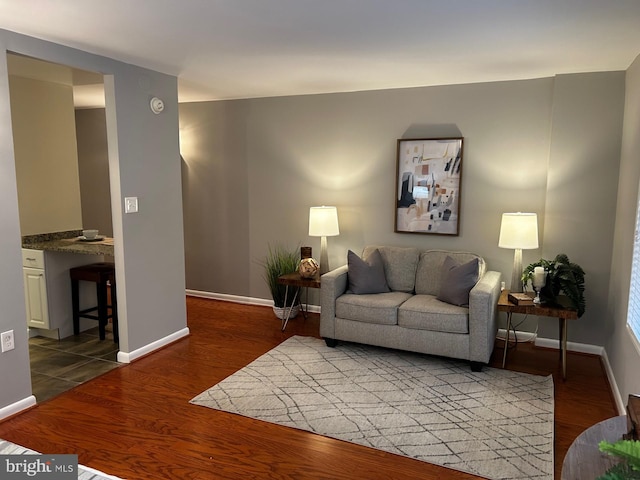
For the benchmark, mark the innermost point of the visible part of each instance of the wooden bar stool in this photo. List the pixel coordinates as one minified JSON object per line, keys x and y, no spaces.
{"x":100,"y":274}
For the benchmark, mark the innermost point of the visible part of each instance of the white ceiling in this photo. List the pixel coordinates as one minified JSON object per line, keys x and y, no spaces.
{"x":227,"y":49}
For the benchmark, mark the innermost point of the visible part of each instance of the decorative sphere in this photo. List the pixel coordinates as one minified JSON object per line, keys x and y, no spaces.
{"x":308,"y":267}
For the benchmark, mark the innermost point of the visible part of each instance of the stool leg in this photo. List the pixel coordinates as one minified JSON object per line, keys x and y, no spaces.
{"x":75,"y":306}
{"x":101,"y":293}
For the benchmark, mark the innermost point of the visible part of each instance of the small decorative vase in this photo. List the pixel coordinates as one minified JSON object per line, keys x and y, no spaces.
{"x":308,"y":267}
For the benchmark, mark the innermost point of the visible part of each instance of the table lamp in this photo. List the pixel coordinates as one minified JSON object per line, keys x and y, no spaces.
{"x":518,"y":231}
{"x":323,"y":223}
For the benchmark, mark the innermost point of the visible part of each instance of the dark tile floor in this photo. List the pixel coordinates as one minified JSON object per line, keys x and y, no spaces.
{"x":59,"y":365}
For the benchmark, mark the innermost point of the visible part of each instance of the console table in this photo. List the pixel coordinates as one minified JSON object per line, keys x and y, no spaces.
{"x":561,"y":313}
{"x":295,"y":280}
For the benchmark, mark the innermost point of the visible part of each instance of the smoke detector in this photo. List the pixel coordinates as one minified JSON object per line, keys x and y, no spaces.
{"x":157,"y":105}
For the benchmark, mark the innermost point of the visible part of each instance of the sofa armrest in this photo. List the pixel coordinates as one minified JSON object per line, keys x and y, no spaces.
{"x":332,"y":285}
{"x":483,"y":316}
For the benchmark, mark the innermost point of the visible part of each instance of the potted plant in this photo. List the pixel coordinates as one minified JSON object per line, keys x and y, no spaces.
{"x":629,"y":452}
{"x":562,"y":276}
{"x":280,"y":261}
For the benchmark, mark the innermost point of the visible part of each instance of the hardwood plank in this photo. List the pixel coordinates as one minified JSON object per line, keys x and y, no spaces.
{"x":135,"y":422}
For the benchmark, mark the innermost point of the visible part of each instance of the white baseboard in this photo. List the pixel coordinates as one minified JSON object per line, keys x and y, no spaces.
{"x":239,"y":299}
{"x":571,"y":346}
{"x":128,"y":357}
{"x":519,"y":335}
{"x":622,"y":408}
{"x":17,"y":407}
{"x":230,"y":298}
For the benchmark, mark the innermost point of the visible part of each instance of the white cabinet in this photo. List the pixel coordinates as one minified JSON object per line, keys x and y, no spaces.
{"x":35,"y":290}
{"x":47,"y":289}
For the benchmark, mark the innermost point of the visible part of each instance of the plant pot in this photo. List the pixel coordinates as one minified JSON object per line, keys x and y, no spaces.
{"x":281,"y":312}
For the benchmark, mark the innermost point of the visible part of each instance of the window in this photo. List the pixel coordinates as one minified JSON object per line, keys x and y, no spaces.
{"x":633,"y":313}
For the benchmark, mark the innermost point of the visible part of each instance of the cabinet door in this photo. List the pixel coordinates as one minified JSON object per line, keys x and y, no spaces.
{"x":35,"y":288}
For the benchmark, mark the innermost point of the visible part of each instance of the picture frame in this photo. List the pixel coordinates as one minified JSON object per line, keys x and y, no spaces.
{"x":428,"y":185}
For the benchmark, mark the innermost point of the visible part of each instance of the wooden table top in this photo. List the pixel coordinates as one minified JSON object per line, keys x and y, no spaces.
{"x":584,"y":459}
{"x":295,"y":280}
{"x":544,"y":310}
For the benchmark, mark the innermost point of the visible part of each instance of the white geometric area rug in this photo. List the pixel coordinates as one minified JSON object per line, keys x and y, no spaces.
{"x":496,"y":423}
{"x":84,"y":473}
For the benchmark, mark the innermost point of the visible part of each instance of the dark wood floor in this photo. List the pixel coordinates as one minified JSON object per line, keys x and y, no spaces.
{"x":135,"y":422}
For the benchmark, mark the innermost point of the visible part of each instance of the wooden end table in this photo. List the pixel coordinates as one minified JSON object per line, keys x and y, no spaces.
{"x":561,"y":313}
{"x":584,"y":459}
{"x":295,"y":280}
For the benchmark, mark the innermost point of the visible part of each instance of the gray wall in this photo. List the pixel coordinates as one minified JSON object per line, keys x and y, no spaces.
{"x":93,"y":168}
{"x":582,"y":181}
{"x":254,"y":167}
{"x":14,"y":365}
{"x":144,"y":162}
{"x":623,"y":354}
{"x":215,"y":196}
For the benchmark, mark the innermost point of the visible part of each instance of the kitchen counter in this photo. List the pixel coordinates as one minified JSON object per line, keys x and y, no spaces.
{"x":68,"y":242}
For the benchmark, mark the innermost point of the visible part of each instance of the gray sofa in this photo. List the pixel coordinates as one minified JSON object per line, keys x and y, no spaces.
{"x":410,"y":316}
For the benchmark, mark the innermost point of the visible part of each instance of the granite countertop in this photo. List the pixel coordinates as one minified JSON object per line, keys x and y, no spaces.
{"x":68,"y":242}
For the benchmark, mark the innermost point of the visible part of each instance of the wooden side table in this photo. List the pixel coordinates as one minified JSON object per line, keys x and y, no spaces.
{"x":584,"y":459}
{"x":295,"y":280}
{"x":561,"y":313}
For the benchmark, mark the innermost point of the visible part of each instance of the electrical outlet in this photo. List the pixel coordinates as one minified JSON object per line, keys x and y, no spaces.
{"x":8,"y":342}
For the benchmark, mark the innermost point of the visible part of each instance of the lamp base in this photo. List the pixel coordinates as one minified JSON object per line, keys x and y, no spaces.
{"x":324,"y":256}
{"x":516,"y":274}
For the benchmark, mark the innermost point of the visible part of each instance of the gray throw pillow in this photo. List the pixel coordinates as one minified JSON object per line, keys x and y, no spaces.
{"x":366,"y":276}
{"x":456,"y":281}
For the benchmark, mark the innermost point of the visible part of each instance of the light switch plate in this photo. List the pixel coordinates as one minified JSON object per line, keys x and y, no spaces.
{"x":130,"y":204}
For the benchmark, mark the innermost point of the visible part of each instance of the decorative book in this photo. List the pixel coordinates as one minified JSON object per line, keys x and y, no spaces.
{"x":520,"y":299}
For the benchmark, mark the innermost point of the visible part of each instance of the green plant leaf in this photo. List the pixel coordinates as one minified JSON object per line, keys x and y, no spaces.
{"x":562,"y":276}
{"x":628,"y":450}
{"x":621,"y":471}
{"x":280,"y":261}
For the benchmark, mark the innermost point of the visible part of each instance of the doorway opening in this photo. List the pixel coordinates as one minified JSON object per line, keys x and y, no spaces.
{"x":62,"y":171}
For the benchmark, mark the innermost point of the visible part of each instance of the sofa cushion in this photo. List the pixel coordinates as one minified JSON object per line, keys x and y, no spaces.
{"x":366,"y":276}
{"x":400,"y":265}
{"x":428,"y":279}
{"x":381,"y":308}
{"x":426,"y":312}
{"x":456,"y":281}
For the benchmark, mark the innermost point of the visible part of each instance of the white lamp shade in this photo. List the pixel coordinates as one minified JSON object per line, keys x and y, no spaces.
{"x":519,"y":230}
{"x":323,"y":222}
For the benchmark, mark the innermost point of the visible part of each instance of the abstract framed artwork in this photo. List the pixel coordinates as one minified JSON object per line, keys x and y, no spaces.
{"x":428,"y":175}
